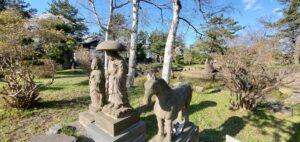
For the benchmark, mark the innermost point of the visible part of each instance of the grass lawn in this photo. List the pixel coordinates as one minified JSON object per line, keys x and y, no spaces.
{"x":68,"y":96}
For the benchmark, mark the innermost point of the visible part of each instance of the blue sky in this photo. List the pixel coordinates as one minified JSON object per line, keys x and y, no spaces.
{"x":247,"y":13}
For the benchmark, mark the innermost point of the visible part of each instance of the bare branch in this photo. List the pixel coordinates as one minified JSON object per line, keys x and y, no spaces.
{"x":190,"y":25}
{"x":92,"y":8}
{"x":92,"y":4}
{"x":121,"y":5}
{"x":160,"y":7}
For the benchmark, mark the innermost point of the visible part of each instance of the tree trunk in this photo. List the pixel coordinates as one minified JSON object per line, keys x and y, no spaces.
{"x":166,"y":73}
{"x":92,"y":4}
{"x":133,"y":43}
{"x":297,"y":50}
{"x":107,"y":33}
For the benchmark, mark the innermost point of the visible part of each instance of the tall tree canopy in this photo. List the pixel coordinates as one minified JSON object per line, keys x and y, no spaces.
{"x":217,"y":31}
{"x":65,"y":9}
{"x":62,"y":52}
{"x":19,"y":5}
{"x":289,"y":24}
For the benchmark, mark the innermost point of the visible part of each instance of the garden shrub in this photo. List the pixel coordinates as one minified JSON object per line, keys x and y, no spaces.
{"x":82,"y":56}
{"x":45,"y":70}
{"x":245,"y":77}
{"x":20,"y":90}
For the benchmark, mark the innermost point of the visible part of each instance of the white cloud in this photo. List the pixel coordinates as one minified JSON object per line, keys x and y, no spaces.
{"x":277,"y":12}
{"x":257,"y":8}
{"x":249,"y":4}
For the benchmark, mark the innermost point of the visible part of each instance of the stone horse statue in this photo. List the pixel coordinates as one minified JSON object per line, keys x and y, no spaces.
{"x":169,"y":105}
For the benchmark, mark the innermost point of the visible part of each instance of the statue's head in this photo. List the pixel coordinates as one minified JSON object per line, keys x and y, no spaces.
{"x":149,"y":86}
{"x":96,"y":64}
{"x":112,"y":54}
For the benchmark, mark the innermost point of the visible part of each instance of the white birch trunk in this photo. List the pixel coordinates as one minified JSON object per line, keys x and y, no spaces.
{"x":133,"y":43}
{"x":92,"y":4}
{"x":107,"y":33}
{"x":167,"y":67}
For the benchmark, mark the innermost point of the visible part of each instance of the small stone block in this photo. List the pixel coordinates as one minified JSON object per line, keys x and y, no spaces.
{"x":55,"y":129}
{"x":231,"y":139}
{"x":86,"y":118}
{"x":54,"y":138}
{"x":92,"y":109}
{"x":115,"y":126}
{"x":135,"y":133}
{"x":190,"y":133}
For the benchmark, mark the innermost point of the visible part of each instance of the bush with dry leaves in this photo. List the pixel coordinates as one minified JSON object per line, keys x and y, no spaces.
{"x":250,"y":69}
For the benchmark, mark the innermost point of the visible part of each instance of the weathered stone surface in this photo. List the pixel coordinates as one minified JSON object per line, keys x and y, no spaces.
{"x":97,"y":86}
{"x":285,"y":110}
{"x":213,"y":90}
{"x":169,"y":104}
{"x":231,"y":139}
{"x":190,"y":133}
{"x":110,"y":45}
{"x":55,"y":129}
{"x":86,"y":118}
{"x":134,"y":133}
{"x":115,"y":126}
{"x":118,"y":104}
{"x":54,"y":138}
{"x":199,"y":89}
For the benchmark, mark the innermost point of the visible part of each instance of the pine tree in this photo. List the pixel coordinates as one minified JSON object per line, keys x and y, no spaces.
{"x":65,"y":9}
{"x":63,"y":52}
{"x":19,"y":5}
{"x":289,"y":24}
{"x":217,"y":31}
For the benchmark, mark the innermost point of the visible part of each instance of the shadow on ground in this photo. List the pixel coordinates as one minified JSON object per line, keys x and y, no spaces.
{"x":295,"y":135}
{"x":201,"y":106}
{"x":71,"y":72}
{"x":232,"y":126}
{"x":53,"y":88}
{"x":151,"y":125}
{"x":65,"y":103}
{"x":261,"y":119}
{"x":83,"y":83}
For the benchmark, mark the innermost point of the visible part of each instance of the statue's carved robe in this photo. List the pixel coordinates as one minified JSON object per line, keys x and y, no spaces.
{"x":117,"y":71}
{"x":97,"y":88}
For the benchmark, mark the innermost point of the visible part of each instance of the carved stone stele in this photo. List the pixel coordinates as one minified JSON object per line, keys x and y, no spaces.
{"x":118,"y":105}
{"x":97,"y":86}
{"x":117,"y":121}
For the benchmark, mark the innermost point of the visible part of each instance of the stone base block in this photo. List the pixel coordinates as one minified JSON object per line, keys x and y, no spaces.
{"x":190,"y":133}
{"x":134,"y":133}
{"x":54,"y":138}
{"x":113,"y":126}
{"x":86,"y":118}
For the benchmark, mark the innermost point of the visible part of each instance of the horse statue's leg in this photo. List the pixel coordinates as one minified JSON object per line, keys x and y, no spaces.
{"x":186,"y":113}
{"x":187,"y":105}
{"x":161,"y":132}
{"x":179,"y":117}
{"x":168,"y":129}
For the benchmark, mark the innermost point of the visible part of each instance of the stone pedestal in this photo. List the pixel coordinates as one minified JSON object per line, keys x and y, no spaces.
{"x":86,"y":118}
{"x":109,"y":129}
{"x":190,"y":133}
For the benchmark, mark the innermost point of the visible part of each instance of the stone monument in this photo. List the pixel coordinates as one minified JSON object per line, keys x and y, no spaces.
{"x":169,"y":106}
{"x":115,"y":121}
{"x":97,"y":93}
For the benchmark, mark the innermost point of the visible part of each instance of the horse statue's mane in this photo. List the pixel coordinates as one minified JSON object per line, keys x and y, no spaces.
{"x":163,"y":83}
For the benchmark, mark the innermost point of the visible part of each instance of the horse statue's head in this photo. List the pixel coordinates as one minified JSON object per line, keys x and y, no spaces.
{"x":150,"y":88}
